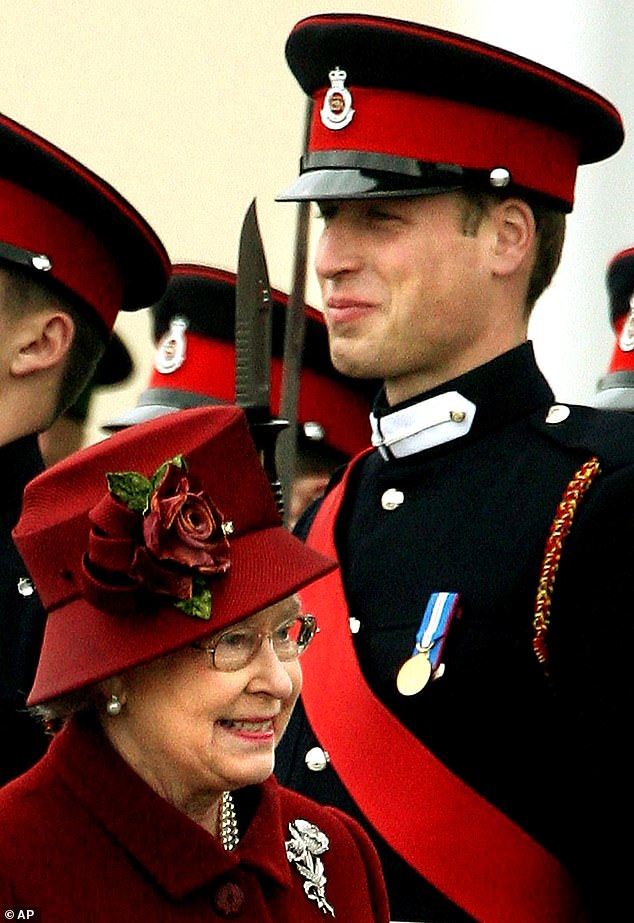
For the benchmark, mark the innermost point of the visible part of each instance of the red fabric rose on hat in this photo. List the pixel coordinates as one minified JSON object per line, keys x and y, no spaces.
{"x":182,"y":526}
{"x":158,"y":535}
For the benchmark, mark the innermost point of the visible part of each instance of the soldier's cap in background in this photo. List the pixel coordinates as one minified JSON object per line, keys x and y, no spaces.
{"x":615,"y":389}
{"x":73,"y":231}
{"x":194,"y":363}
{"x":114,"y":367}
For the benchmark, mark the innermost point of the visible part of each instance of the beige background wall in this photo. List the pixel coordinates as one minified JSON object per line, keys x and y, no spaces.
{"x":188,"y":108}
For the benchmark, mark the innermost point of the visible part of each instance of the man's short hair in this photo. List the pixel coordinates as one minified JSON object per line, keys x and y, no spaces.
{"x":25,"y":294}
{"x":551,"y":230}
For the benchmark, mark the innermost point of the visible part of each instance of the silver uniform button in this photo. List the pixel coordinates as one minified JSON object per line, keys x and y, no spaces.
{"x":316,"y":759}
{"x":42,"y":262}
{"x":557,"y":413}
{"x":25,"y":587}
{"x":499,"y":177}
{"x":354,"y":624}
{"x":392,"y":498}
{"x":314,"y":431}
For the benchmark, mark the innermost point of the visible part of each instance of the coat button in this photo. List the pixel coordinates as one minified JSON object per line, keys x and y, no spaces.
{"x":557,"y":413}
{"x":392,"y":498}
{"x":229,"y":899}
{"x":25,"y":587}
{"x":316,"y":759}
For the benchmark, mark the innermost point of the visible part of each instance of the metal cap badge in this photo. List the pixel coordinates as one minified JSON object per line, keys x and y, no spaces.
{"x":337,"y":111}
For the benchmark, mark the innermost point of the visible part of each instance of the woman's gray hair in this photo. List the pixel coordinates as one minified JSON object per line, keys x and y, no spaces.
{"x":25,"y":294}
{"x":55,"y":714}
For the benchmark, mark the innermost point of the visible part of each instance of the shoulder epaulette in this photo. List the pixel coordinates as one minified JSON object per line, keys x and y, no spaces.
{"x":608,"y":434}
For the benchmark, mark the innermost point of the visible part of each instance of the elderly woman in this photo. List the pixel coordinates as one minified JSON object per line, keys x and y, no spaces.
{"x":168,"y":672}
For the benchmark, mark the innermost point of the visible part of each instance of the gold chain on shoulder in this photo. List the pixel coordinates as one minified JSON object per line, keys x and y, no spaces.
{"x":558,"y":532}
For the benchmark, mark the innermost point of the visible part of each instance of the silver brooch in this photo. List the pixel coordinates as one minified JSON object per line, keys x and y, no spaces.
{"x":306,"y":845}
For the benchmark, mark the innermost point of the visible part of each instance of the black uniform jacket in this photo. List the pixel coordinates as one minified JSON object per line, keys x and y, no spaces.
{"x":22,"y":618}
{"x":550,"y":747}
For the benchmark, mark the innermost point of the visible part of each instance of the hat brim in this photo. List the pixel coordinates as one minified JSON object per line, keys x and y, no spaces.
{"x":354,"y":183}
{"x":138,"y":415}
{"x":155,"y":403}
{"x":615,"y":399}
{"x":84,"y":645}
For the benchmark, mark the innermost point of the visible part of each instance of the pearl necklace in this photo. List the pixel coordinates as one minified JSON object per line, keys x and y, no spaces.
{"x":229,"y":836}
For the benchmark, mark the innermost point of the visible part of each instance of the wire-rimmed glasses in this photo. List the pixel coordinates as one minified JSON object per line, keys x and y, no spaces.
{"x":236,"y":647}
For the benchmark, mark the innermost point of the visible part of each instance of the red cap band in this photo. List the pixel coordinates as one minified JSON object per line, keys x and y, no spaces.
{"x":209,"y":368}
{"x":443,"y":131}
{"x":80,"y":261}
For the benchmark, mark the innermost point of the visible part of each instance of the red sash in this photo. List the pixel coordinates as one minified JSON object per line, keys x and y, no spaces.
{"x":454,"y":838}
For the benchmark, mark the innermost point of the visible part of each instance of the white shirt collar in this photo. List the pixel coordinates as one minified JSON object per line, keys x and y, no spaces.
{"x":428,"y":423}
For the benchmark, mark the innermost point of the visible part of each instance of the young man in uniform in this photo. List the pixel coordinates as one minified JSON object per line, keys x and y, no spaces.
{"x":73,"y":253}
{"x":472,"y":687}
{"x":195,"y":364}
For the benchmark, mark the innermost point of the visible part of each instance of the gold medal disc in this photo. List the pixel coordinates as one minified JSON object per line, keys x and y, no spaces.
{"x":414,"y":675}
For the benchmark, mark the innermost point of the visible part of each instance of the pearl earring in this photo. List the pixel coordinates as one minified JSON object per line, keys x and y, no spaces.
{"x":114,"y":706}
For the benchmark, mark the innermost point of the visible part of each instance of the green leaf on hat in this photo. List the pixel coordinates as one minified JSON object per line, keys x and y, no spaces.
{"x":178,"y":461}
{"x":135,"y":489}
{"x":131,"y":488}
{"x":199,"y":606}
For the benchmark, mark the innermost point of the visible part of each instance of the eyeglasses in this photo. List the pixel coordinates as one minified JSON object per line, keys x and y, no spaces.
{"x":237,"y":647}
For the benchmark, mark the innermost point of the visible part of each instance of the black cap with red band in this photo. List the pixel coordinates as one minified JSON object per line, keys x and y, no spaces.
{"x":69,"y":227}
{"x":406,"y":109}
{"x":615,"y":390}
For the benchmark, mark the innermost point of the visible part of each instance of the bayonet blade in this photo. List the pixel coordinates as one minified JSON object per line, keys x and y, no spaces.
{"x":254,"y":322}
{"x":254,"y":341}
{"x":294,"y":343}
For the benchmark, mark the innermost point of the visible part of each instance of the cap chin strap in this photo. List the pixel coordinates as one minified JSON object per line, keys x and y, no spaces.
{"x":38,"y":261}
{"x":356,"y":174}
{"x":431,"y":174}
{"x":334,"y":174}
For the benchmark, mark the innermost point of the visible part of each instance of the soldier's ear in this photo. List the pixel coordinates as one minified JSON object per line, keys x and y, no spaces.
{"x":42,"y":341}
{"x":515,"y":235}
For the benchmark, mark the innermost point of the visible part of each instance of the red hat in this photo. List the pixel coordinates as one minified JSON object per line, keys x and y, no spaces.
{"x":615,"y":389}
{"x":72,"y":229}
{"x":401,"y":108}
{"x":194,"y":363}
{"x":133,"y":559}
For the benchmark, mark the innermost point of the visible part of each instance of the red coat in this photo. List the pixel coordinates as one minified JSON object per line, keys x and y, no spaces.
{"x":82,"y":836}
